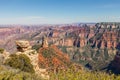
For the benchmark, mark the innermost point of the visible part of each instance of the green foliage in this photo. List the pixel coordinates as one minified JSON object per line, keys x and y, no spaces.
{"x":98,"y":36}
{"x":21,"y":62}
{"x":1,"y":50}
{"x":15,"y":74}
{"x":64,"y":49}
{"x":53,"y":58}
{"x":91,"y":55}
{"x":48,"y":53}
{"x":70,"y":74}
{"x":106,"y":54}
{"x":36,"y":47}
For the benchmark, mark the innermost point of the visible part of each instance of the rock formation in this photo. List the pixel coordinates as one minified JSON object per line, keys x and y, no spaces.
{"x":44,"y":42}
{"x":64,"y":42}
{"x":103,"y":44}
{"x":82,"y":42}
{"x":24,"y":47}
{"x":90,"y":35}
{"x":110,"y":38}
{"x":68,"y":42}
{"x":55,"y":33}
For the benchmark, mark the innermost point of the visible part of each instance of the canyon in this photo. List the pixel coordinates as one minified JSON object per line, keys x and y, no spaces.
{"x":97,"y":35}
{"x":83,"y":43}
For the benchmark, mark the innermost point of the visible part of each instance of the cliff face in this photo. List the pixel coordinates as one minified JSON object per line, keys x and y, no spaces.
{"x":108,"y":39}
{"x":111,"y":39}
{"x":91,"y":34}
{"x":114,"y":66}
{"x":101,"y":35}
{"x":68,"y":42}
{"x":106,"y":36}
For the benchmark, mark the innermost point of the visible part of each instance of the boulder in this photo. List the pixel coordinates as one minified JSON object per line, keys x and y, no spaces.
{"x":23,"y":45}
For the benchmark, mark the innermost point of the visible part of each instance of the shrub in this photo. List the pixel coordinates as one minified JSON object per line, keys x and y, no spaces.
{"x":21,"y":62}
{"x":70,"y":74}
{"x":7,"y":73}
{"x":1,"y":50}
{"x":36,"y":47}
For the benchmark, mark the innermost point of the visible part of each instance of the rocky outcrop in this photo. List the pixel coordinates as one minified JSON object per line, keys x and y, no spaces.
{"x":44,"y":42}
{"x":24,"y":47}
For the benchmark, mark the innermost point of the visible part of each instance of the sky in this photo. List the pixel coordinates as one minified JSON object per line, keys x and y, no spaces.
{"x":58,"y":11}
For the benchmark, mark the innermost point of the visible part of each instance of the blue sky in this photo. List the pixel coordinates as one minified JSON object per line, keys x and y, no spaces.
{"x":58,"y":11}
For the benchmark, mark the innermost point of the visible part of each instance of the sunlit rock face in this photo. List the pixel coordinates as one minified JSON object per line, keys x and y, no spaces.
{"x":23,"y":47}
{"x":44,"y":42}
{"x":110,"y":38}
{"x":91,"y":34}
{"x":103,"y":44}
{"x":68,"y":42}
{"x":102,"y":36}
